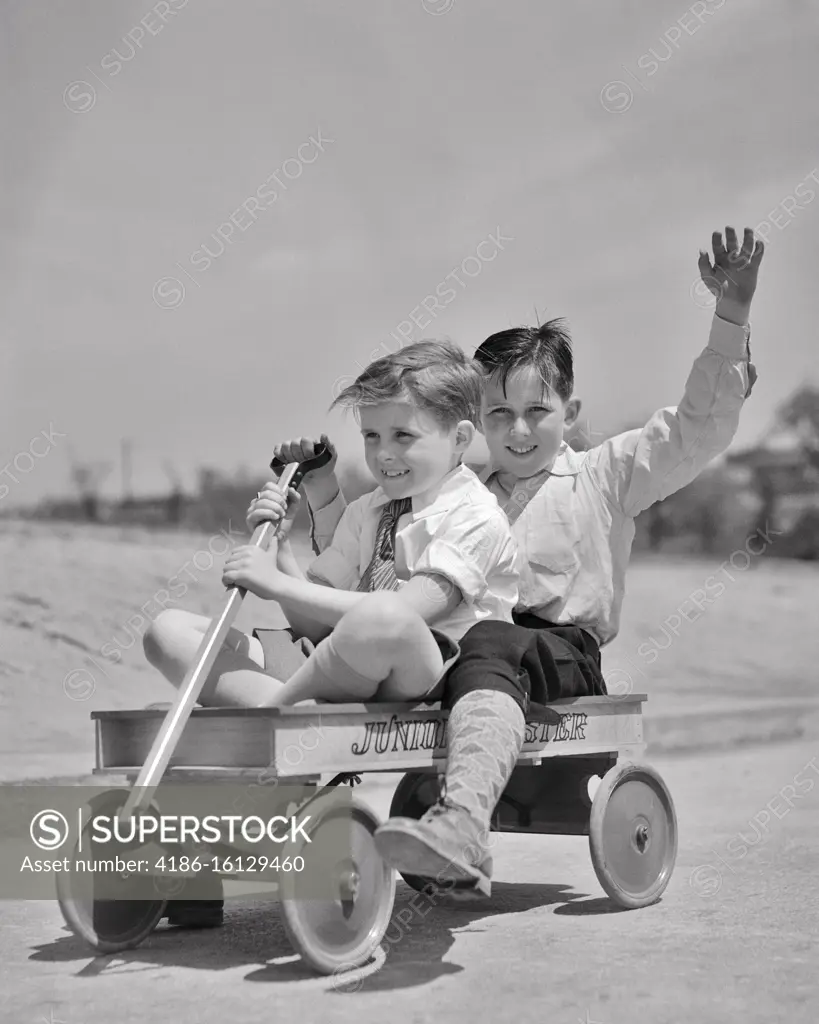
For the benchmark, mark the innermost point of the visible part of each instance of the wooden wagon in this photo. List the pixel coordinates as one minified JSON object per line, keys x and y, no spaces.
{"x":630,"y":821}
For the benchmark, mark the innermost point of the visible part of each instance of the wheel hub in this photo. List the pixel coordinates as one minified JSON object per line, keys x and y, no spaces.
{"x":642,"y":838}
{"x":348,"y":881}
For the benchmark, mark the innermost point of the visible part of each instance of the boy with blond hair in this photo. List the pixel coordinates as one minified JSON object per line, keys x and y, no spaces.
{"x":411,"y":567}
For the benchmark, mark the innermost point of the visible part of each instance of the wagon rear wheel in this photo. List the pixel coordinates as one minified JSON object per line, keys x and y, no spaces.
{"x":343,"y":928}
{"x":413,"y":797}
{"x":633,"y":835}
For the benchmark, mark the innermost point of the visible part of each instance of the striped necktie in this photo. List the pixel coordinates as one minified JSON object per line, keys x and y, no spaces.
{"x":380,"y":573}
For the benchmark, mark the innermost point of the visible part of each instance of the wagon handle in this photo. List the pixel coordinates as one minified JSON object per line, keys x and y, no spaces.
{"x":321,"y":457}
{"x":164,"y":745}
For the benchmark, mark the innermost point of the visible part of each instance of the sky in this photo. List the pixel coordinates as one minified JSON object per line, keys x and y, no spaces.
{"x":517,"y":161}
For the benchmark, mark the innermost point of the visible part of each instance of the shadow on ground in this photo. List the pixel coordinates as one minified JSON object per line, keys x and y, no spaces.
{"x":422,"y":930}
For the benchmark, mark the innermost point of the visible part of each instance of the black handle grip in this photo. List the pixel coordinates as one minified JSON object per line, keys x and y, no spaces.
{"x":322,"y":456}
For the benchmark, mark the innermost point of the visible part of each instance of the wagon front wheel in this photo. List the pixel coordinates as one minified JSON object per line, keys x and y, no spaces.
{"x":109,"y":926}
{"x":109,"y":911}
{"x":633,"y":835}
{"x":342,"y":921}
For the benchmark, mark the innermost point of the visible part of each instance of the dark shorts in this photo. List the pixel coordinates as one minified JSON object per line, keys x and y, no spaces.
{"x":533,"y":661}
{"x":285,"y":651}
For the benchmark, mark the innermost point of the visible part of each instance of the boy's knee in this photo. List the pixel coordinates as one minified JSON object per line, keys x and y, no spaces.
{"x":151,"y":646}
{"x":169,"y":623}
{"x":380,"y":618}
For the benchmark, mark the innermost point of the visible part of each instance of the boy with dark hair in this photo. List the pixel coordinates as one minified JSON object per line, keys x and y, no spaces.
{"x":573,"y":516}
{"x":573,"y":519}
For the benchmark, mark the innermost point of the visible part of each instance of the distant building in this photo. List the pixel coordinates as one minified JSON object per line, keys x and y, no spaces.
{"x":162,"y":510}
{"x":784,"y":472}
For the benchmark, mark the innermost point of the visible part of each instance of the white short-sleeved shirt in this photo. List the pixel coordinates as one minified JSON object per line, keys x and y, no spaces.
{"x":461,"y":534}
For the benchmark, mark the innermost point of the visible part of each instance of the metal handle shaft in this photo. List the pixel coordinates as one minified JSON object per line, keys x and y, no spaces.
{"x":177,"y":717}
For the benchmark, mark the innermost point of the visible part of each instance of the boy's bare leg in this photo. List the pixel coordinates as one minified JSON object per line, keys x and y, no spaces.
{"x":380,"y":648}
{"x":236,"y":679}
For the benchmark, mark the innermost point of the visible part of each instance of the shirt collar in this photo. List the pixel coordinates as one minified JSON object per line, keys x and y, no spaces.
{"x":568,"y":462}
{"x":450,"y":492}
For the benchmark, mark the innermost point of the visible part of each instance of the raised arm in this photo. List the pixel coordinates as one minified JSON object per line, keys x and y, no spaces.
{"x":642,"y":466}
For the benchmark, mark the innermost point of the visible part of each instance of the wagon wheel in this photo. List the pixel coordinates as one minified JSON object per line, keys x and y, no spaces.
{"x":633,"y":835}
{"x":413,"y":797}
{"x":109,"y":925}
{"x":345,"y":929}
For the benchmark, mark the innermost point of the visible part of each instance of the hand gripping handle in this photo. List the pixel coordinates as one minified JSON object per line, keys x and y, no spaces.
{"x":165,"y":743}
{"x":321,"y":457}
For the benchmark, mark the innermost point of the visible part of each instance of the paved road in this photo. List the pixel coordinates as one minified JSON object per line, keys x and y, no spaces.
{"x":734,"y":939}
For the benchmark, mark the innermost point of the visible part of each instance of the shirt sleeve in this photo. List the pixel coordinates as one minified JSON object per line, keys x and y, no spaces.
{"x":338,"y":565}
{"x":639,"y":467}
{"x":324,"y":521}
{"x":468,"y":546}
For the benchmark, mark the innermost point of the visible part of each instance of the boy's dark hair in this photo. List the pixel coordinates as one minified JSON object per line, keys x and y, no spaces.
{"x":548,"y":349}
{"x":436,"y":375}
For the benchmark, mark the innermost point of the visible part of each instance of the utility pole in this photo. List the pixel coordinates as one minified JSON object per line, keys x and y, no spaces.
{"x":126,"y":451}
{"x":87,"y":478}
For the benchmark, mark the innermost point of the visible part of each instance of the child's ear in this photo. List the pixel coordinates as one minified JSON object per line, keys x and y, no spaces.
{"x":571,"y":411}
{"x":464,"y":433}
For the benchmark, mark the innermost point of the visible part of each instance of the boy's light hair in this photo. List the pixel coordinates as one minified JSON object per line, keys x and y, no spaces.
{"x":436,"y":376}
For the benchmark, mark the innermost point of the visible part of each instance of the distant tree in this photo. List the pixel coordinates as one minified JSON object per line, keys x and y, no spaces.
{"x":801,"y":412}
{"x":656,"y":525}
{"x":175,"y":500}
{"x":803,"y":540}
{"x":87,"y":478}
{"x":766,"y":492}
{"x":709,"y":510}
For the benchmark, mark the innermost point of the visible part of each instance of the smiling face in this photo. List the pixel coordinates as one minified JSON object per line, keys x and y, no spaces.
{"x":407,"y":451}
{"x":524,"y":423}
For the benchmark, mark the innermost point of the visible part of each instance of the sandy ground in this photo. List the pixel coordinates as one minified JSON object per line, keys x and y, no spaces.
{"x":734,"y":938}
{"x":75,"y":602}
